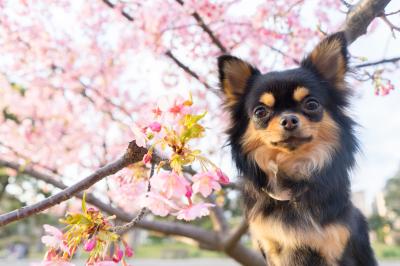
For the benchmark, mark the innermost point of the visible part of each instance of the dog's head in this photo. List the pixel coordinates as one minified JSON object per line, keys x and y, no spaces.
{"x":293,"y":120}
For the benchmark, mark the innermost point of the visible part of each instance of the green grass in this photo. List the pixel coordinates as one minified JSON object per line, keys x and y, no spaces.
{"x":173,"y":250}
{"x":383,"y":251}
{"x":166,"y":250}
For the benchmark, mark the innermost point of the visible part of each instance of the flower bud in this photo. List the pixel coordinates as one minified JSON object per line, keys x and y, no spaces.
{"x":118,"y":254}
{"x":128,"y":249}
{"x":155,"y":127}
{"x":223,"y":179}
{"x":90,"y":244}
{"x":147,"y":158}
{"x":189,"y":192}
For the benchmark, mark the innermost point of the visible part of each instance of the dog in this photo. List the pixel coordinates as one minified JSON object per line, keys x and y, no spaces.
{"x":293,"y":142}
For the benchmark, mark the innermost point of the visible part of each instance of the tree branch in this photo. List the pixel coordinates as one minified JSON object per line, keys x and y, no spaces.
{"x":204,"y":26}
{"x":392,"y":13}
{"x":173,"y":57}
{"x":232,"y":239}
{"x":383,"y":61}
{"x":205,"y":238}
{"x":360,"y":16}
{"x":393,"y":28}
{"x":189,"y":71}
{"x":123,"y":12}
{"x":132,"y":155}
{"x":246,"y":256}
{"x":162,"y":227}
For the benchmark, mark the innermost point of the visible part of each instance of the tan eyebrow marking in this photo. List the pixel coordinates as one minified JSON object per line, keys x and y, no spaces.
{"x":300,"y":93}
{"x":268,"y":99}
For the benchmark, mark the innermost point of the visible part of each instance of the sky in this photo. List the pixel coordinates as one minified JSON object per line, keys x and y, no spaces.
{"x":378,"y":116}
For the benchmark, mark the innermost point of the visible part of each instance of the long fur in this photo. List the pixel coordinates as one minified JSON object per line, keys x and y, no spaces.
{"x":319,"y":225}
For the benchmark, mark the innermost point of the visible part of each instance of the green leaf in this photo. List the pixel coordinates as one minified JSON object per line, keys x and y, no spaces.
{"x":84,"y":202}
{"x":20,"y":89}
{"x":10,"y":116}
{"x":195,"y":131}
{"x":190,"y":120}
{"x":75,"y":218}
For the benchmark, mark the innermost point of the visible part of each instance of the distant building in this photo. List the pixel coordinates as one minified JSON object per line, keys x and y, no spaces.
{"x":358,"y":199}
{"x":379,"y":205}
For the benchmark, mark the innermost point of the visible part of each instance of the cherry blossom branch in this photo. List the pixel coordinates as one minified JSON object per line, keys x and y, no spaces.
{"x":91,"y":199}
{"x":132,"y":155}
{"x":86,"y":88}
{"x":123,"y":12}
{"x":346,"y":4}
{"x":393,"y":28}
{"x":209,"y":239}
{"x":123,"y":228}
{"x":383,"y":61}
{"x":179,"y":63}
{"x":204,"y":26}
{"x":279,"y":51}
{"x":392,"y":13}
{"x":188,"y":70}
{"x":20,"y":155}
{"x":360,"y":16}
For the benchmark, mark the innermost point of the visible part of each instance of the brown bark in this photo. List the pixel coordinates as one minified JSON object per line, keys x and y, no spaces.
{"x":360,"y":16}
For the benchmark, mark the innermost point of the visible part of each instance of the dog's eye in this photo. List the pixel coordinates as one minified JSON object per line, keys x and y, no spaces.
{"x":311,"y":105}
{"x":261,"y":111}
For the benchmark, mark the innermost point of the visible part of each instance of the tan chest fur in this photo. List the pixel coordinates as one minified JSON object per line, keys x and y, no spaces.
{"x":278,"y":240}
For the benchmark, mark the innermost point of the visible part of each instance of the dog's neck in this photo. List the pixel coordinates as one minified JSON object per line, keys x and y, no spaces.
{"x":282,"y":167}
{"x":274,"y":189}
{"x":298,"y":165}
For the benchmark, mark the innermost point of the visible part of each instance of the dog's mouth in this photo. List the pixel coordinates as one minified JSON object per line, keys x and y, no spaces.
{"x":292,"y":142}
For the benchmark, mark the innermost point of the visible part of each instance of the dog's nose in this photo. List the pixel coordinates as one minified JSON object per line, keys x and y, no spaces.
{"x":289,"y":122}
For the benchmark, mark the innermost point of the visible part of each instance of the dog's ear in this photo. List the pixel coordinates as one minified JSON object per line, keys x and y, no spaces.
{"x":234,"y":75}
{"x":330,"y":59}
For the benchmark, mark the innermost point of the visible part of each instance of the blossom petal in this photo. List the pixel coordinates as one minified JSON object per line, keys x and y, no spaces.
{"x":194,"y":211}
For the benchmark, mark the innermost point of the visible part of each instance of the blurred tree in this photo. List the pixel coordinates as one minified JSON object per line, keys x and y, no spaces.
{"x":392,"y":194}
{"x":378,"y":224}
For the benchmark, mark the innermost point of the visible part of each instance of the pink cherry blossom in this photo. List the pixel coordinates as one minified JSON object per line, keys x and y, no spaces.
{"x":205,"y":183}
{"x":54,"y":231}
{"x":158,"y":204}
{"x":194,"y":211}
{"x":139,"y":136}
{"x":51,"y":259}
{"x":173,"y":107}
{"x":54,"y":239}
{"x":170,"y":184}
